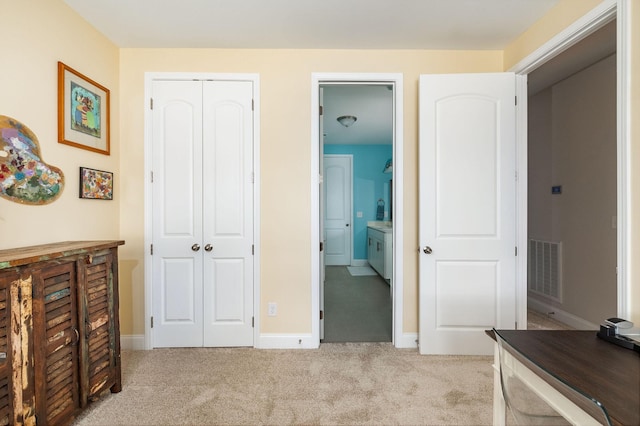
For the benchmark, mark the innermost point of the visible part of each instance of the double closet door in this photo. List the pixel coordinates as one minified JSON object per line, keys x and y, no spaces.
{"x":202,"y":162}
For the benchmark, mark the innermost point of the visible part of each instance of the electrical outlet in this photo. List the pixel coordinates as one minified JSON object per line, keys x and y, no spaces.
{"x":272,"y":309}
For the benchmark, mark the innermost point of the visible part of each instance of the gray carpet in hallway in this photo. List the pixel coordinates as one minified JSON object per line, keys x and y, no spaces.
{"x":356,"y":309}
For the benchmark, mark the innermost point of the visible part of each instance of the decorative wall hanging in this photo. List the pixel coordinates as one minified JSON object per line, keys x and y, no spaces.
{"x":24,"y":177}
{"x":96,"y":184}
{"x":83,"y":111}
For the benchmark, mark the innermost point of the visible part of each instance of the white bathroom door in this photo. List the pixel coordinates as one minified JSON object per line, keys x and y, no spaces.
{"x":337,"y":183}
{"x":467,"y":222}
{"x":202,"y":213}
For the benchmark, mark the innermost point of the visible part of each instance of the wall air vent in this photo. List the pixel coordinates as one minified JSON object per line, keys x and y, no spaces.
{"x":545,"y":269}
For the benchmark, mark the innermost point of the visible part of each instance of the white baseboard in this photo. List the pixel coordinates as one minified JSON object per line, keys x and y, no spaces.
{"x":285,"y":341}
{"x":132,"y":342}
{"x":407,"y":341}
{"x":571,"y":320}
{"x":135,"y":342}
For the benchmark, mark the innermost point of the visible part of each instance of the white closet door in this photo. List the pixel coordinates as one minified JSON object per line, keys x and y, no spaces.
{"x":177,"y":213}
{"x":228,"y":213}
{"x":202,"y":213}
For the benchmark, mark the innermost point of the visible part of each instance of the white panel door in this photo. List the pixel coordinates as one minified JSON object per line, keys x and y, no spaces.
{"x":202,"y":213}
{"x":228,"y":213}
{"x":467,"y":211}
{"x":177,"y":213}
{"x":337,"y":183}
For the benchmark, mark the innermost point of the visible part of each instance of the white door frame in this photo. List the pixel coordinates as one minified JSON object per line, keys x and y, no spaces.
{"x":148,"y":231}
{"x":400,"y":340}
{"x":601,"y":15}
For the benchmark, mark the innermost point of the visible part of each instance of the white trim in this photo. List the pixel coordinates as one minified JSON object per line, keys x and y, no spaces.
{"x":623,"y":84}
{"x":595,"y":19}
{"x":398,"y":209}
{"x":522,"y":201}
{"x":407,"y":341}
{"x":287,"y":341}
{"x":149,"y":77}
{"x":562,"y":316}
{"x":132,"y":342}
{"x":599,"y":16}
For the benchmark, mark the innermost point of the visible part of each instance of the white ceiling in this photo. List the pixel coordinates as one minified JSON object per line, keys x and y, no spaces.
{"x":372,"y":105}
{"x":339,"y":24}
{"x":326,"y":24}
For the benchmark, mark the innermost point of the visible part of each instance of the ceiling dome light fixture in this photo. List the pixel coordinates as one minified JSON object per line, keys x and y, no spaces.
{"x":347,"y":120}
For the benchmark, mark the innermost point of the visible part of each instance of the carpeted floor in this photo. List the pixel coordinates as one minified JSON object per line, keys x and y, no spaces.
{"x":356,"y":308}
{"x":338,"y":384}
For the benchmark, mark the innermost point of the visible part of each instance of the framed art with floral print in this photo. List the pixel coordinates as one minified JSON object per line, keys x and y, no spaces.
{"x":96,"y":184}
{"x":83,"y":111}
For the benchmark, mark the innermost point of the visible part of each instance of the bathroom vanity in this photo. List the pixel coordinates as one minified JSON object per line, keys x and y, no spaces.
{"x":379,"y":247}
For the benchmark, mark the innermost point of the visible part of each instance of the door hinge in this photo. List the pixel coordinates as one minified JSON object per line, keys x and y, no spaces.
{"x":321,"y":110}
{"x":253,"y":177}
{"x":151,"y":103}
{"x":252,"y":105}
{"x":516,"y":250}
{"x":253,"y":322}
{"x":253,"y":249}
{"x":321,"y":246}
{"x":321,"y":314}
{"x":516,"y":100}
{"x":151,"y":322}
{"x":152,"y":176}
{"x":151,"y":249}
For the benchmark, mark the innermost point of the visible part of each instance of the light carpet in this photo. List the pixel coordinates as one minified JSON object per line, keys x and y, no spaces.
{"x":338,"y":384}
{"x":359,"y":271}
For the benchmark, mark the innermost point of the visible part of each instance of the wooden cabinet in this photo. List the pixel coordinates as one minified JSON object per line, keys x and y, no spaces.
{"x":59,"y":329}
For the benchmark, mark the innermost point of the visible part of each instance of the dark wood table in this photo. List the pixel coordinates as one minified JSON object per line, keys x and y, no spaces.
{"x":597,"y":368}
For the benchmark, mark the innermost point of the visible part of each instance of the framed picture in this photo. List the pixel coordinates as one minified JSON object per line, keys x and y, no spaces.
{"x":96,"y":184}
{"x":83,"y":111}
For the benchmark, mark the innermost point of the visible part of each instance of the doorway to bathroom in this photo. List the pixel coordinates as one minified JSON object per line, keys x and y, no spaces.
{"x":356,"y":209}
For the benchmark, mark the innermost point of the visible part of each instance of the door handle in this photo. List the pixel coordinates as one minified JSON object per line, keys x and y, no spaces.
{"x":208,"y":247}
{"x":195,"y":247}
{"x":427,"y":250}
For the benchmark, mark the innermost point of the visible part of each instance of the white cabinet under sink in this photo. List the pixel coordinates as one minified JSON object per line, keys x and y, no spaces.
{"x":379,"y":250}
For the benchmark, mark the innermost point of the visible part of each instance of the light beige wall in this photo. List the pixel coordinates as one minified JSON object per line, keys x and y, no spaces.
{"x":36,"y":35}
{"x":580,"y":111}
{"x":557,"y":19}
{"x":285,"y":134}
{"x":539,"y":168}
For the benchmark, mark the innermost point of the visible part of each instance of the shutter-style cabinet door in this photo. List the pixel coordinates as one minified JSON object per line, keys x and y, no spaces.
{"x":55,"y":338}
{"x":98,"y":336}
{"x":6,"y":359}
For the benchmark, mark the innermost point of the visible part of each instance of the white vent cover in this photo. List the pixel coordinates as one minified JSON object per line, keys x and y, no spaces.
{"x":545,"y":269}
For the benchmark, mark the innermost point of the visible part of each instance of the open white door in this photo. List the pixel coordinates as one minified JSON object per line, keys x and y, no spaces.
{"x":467,"y":211}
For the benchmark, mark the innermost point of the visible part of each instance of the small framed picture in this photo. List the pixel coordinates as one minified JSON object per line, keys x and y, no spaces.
{"x":96,"y":184}
{"x":83,"y":111}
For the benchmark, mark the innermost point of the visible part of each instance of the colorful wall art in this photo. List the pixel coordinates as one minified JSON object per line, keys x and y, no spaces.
{"x":96,"y":184}
{"x":24,"y":176}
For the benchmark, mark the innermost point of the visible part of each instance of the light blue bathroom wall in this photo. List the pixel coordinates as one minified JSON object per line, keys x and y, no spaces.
{"x":369,"y":185}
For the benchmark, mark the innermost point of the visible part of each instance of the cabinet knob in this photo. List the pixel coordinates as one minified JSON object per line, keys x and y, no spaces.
{"x":195,"y":247}
{"x":208,"y":247}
